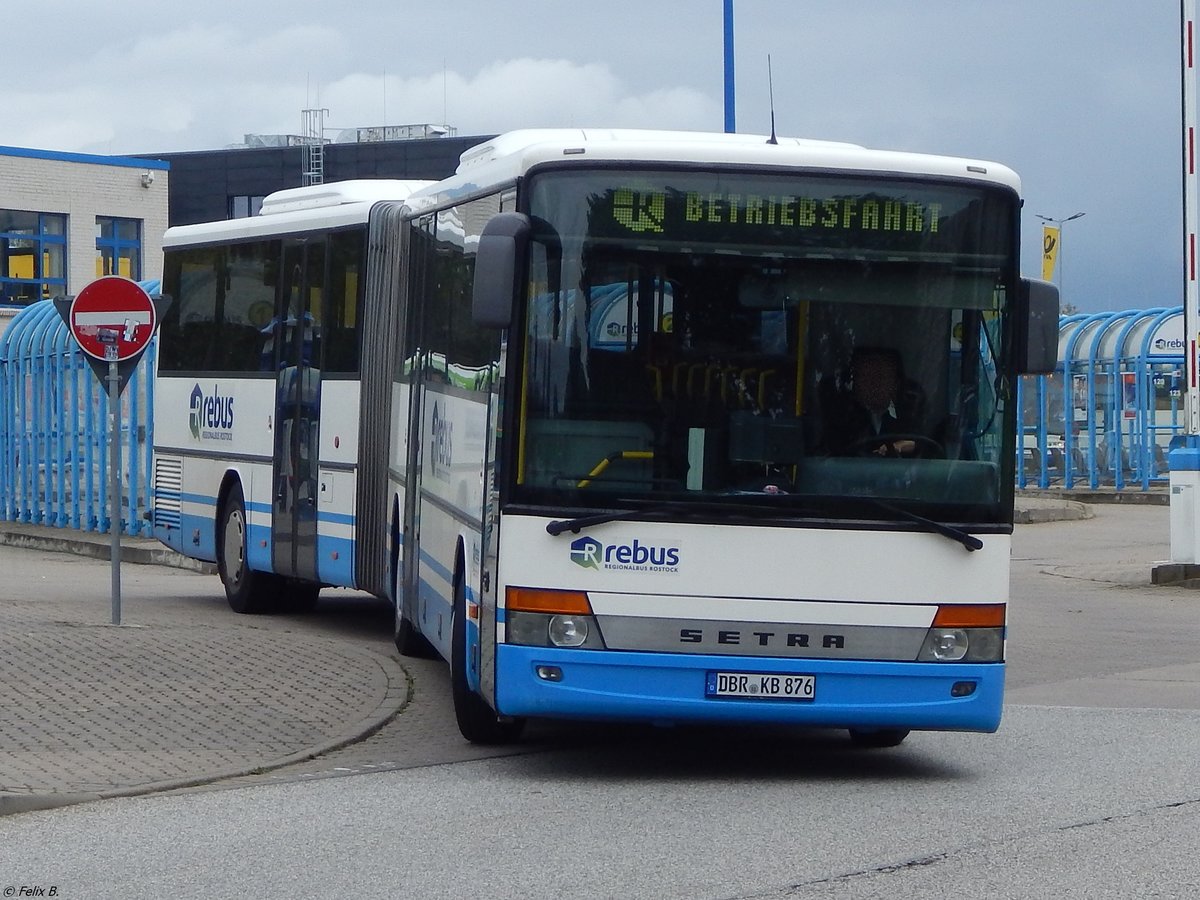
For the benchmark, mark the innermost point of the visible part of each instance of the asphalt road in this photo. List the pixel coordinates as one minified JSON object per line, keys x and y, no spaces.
{"x":1061,"y":803}
{"x":1091,"y":788}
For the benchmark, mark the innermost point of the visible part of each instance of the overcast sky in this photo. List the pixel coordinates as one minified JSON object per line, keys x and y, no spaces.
{"x":1081,"y":97}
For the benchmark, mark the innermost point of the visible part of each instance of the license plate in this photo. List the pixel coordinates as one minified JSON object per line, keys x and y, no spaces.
{"x":756,"y":686}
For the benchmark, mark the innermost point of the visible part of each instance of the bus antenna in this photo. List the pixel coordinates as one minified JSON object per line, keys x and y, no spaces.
{"x":771,"y":94}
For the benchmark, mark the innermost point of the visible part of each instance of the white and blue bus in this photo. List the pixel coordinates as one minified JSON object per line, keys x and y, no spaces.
{"x":580,"y":413}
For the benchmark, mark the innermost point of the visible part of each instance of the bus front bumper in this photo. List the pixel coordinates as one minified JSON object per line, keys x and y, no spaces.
{"x":654,"y":687}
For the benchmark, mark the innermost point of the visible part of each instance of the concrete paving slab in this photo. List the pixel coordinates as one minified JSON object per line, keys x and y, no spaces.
{"x":93,"y":710}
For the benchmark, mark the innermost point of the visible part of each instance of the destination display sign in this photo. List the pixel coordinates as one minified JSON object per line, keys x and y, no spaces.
{"x":870,"y":215}
{"x":646,"y":211}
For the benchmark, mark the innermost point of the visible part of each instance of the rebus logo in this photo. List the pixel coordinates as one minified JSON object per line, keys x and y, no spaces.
{"x":636,"y":556}
{"x":443,"y":443}
{"x":210,"y":416}
{"x":1168,"y":344}
{"x":587,"y":552}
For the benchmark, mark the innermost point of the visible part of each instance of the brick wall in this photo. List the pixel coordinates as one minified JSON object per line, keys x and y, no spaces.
{"x":83,"y":187}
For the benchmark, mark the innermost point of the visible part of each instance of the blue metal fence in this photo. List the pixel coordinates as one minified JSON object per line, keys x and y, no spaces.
{"x":1106,"y":417}
{"x":54,"y":426}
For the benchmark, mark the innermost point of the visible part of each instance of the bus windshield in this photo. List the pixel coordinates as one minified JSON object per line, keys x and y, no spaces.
{"x":812,"y":341}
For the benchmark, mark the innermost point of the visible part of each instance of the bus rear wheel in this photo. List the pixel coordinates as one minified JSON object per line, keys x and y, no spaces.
{"x":478,"y":722}
{"x":247,"y":591}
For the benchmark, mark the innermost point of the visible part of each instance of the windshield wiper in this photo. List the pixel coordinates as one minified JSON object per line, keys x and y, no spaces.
{"x":577,"y":524}
{"x":651,"y":507}
{"x":967,"y":539}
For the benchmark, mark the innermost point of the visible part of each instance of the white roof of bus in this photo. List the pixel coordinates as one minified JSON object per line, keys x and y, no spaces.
{"x":506,"y":157}
{"x":510,"y":155}
{"x":297,"y":209}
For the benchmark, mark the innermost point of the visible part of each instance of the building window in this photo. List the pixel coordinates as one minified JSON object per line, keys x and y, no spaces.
{"x":243,"y":206}
{"x":118,"y":247}
{"x":33,"y":256}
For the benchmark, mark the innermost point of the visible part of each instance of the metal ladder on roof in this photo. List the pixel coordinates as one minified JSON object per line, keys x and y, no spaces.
{"x":312,"y":131}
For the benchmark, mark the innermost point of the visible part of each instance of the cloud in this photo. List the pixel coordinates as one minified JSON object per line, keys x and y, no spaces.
{"x":517,"y":93}
{"x":1081,"y":98}
{"x":167,"y":94}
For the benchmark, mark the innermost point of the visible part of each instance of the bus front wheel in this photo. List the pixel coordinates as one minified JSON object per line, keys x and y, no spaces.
{"x":247,"y":591}
{"x":405,"y":635}
{"x":477,"y":721}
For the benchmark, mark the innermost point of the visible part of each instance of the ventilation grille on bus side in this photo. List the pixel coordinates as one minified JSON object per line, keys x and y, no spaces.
{"x":168,"y":492}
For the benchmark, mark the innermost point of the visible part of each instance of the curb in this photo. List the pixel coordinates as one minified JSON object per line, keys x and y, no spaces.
{"x":1136,"y":498}
{"x":399,"y":695}
{"x":1038,"y":511}
{"x":97,"y":546}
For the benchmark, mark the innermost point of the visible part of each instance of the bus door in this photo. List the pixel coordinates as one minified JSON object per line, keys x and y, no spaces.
{"x":297,"y":326}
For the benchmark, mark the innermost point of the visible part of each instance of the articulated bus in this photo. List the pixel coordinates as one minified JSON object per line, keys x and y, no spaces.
{"x":581,"y":413}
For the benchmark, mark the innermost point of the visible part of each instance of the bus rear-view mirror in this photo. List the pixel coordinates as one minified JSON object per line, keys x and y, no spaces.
{"x":1037,"y":328}
{"x":502,"y":248}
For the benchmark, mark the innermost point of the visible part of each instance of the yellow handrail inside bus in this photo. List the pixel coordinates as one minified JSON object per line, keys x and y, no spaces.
{"x":801,"y":336}
{"x":610,"y":459}
{"x":521,"y":431}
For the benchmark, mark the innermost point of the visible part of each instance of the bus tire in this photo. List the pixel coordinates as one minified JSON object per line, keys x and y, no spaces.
{"x":409,"y":641}
{"x":878,"y":737}
{"x":478,"y":722}
{"x":405,"y":635}
{"x":249,"y":592}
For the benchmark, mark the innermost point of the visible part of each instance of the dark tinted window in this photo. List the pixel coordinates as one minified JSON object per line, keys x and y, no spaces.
{"x":224,"y":301}
{"x":342,"y":324}
{"x":463,"y":352}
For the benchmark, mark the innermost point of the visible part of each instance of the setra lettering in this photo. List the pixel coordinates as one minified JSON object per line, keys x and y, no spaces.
{"x":781,"y":640}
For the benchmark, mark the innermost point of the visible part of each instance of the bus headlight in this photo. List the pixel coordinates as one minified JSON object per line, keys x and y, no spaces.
{"x":568,"y":631}
{"x":963,"y":645}
{"x":945,"y":645}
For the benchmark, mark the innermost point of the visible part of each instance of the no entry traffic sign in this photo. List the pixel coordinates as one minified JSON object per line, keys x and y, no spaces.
{"x":113,"y":319}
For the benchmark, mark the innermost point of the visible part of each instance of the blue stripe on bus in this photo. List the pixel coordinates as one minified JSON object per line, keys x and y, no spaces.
{"x":427,"y":591}
{"x":202,"y":499}
{"x":332,"y":518}
{"x":258,"y":547}
{"x":195,"y":537}
{"x":631,"y":686}
{"x":436,"y":567}
{"x":338,"y":572}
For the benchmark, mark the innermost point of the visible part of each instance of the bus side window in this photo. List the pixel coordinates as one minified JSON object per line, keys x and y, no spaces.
{"x":345,"y":299}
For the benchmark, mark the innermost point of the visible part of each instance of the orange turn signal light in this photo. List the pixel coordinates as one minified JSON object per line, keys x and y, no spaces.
{"x":970,"y":615}
{"x":540,"y":600}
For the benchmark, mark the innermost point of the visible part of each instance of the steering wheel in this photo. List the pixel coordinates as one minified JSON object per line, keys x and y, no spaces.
{"x":927,"y":447}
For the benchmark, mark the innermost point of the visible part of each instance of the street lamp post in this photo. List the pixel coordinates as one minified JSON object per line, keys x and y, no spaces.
{"x":1043,"y":400}
{"x":730,"y":115}
{"x":1059,"y":223}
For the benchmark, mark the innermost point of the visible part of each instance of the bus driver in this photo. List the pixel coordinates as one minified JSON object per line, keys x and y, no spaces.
{"x":870,"y":424}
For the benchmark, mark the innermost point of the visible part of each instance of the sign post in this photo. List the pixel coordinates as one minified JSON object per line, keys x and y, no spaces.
{"x":113,"y":319}
{"x":1183,"y":459}
{"x":114,"y":486}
